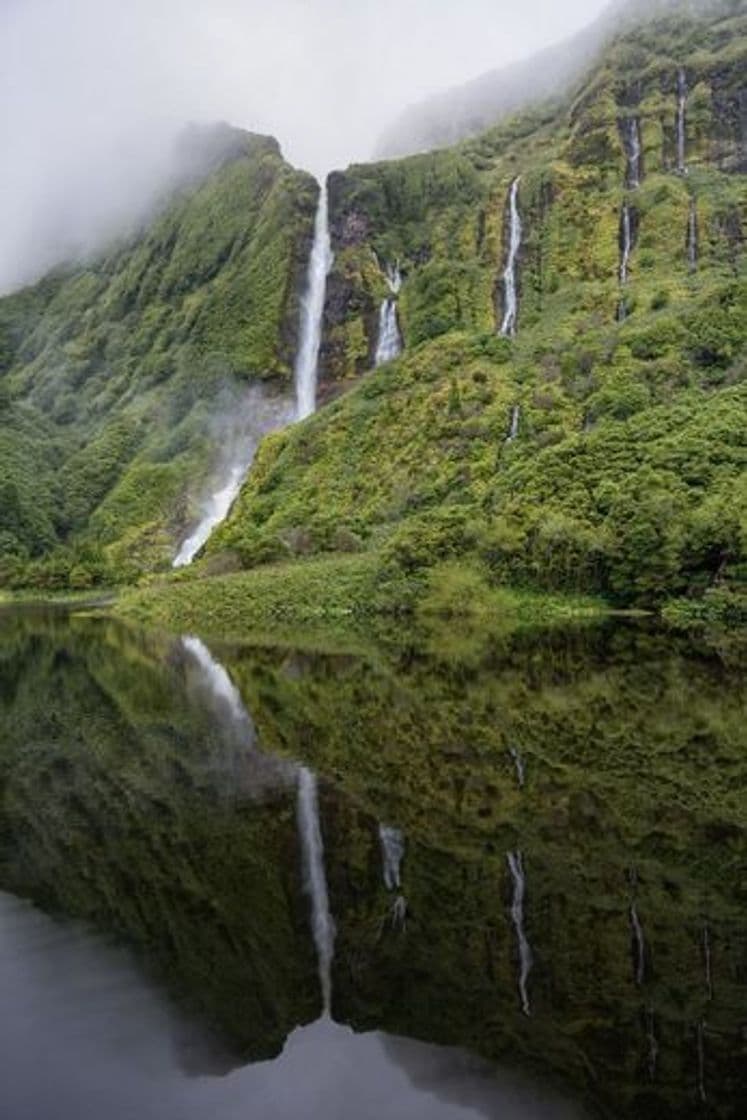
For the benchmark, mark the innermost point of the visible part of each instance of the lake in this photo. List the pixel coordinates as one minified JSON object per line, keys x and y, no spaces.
{"x":309,"y":876}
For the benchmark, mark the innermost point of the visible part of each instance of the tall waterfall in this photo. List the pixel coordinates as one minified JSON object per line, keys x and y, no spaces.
{"x":510,"y":298}
{"x":516,"y":867}
{"x":519,"y":765}
{"x":681,"y":110}
{"x":692,"y":236}
{"x":633,"y":149}
{"x":315,"y":880}
{"x":392,"y":852}
{"x":312,"y":310}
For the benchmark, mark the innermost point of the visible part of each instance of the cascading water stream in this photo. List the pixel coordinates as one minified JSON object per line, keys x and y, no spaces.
{"x":392,"y":852}
{"x":516,"y":867}
{"x":513,"y":427}
{"x":389,"y":344}
{"x":216,"y":510}
{"x":221,"y":687}
{"x":681,"y":112}
{"x":315,"y":880}
{"x":653,"y":1045}
{"x":692,"y":236}
{"x":633,"y":149}
{"x":510,"y":297}
{"x":700,"y":1038}
{"x":518,"y":762}
{"x":626,"y":247}
{"x":312,"y":310}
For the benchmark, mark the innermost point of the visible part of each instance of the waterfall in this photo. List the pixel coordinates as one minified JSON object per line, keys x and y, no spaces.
{"x":681,"y":108}
{"x":653,"y":1045}
{"x":639,"y":956}
{"x":692,"y":236}
{"x":510,"y":303}
{"x":633,"y":151}
{"x":519,"y":764}
{"x":215,"y":510}
{"x":707,"y":962}
{"x":516,"y":867}
{"x":312,"y":310}
{"x":389,"y":344}
{"x":513,"y":428}
{"x":315,"y":881}
{"x":392,"y":851}
{"x":626,"y":247}
{"x":626,"y":243}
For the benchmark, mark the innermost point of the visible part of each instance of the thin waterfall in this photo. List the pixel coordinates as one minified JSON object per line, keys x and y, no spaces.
{"x":513,"y":427}
{"x":510,"y":297}
{"x":315,"y":880}
{"x":518,"y":762}
{"x":389,"y":345}
{"x":639,"y":944}
{"x":681,"y":112}
{"x":516,"y":867}
{"x":692,"y":236}
{"x":312,"y":310}
{"x":626,"y":247}
{"x":392,"y":852}
{"x":633,"y":150}
{"x":707,"y":962}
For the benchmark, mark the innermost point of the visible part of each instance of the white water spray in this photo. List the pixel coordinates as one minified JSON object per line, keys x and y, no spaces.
{"x":215,"y":510}
{"x":389,"y":344}
{"x":392,"y":852}
{"x":221,"y":687}
{"x":513,"y":428}
{"x":312,"y":311}
{"x":508,"y":326}
{"x":315,"y":880}
{"x":626,"y":239}
{"x":681,"y":111}
{"x":516,"y":867}
{"x":633,"y":148}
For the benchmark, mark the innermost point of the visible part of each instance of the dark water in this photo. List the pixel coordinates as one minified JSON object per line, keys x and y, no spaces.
{"x":568,"y":938}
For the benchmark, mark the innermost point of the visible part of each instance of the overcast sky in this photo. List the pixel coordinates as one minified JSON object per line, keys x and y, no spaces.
{"x":89,"y":89}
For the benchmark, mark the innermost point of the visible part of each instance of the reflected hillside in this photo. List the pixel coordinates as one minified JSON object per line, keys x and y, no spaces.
{"x":559,"y":884}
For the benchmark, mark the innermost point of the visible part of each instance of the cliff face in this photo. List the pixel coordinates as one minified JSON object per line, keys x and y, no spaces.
{"x":112,"y":372}
{"x":598,"y":448}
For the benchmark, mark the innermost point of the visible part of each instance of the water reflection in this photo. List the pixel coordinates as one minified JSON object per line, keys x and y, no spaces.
{"x":139,"y":795}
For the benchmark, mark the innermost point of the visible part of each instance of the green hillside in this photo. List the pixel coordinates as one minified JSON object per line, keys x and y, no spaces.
{"x":627,"y":476}
{"x":112,"y":373}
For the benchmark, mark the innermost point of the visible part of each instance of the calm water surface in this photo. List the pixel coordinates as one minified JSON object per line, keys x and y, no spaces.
{"x":518,"y":866}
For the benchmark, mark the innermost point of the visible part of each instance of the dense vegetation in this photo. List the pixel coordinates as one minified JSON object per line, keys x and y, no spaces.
{"x":627,"y":475}
{"x":120,"y":376}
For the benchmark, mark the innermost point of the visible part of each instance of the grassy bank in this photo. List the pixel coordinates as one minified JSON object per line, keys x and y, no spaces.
{"x":341,"y":590}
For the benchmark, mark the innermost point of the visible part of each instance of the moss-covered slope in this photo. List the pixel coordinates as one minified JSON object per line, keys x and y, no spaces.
{"x":112,"y":373}
{"x":626,"y":471}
